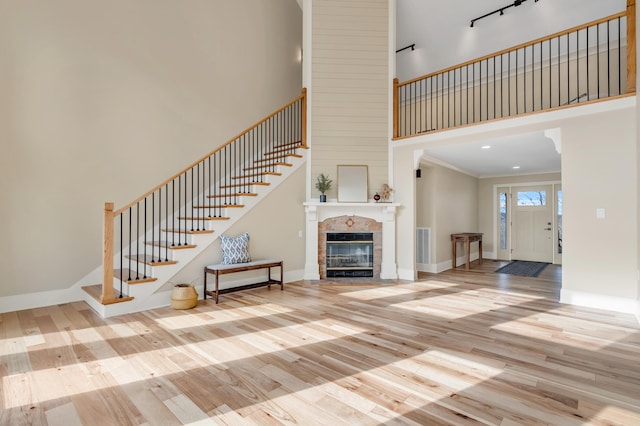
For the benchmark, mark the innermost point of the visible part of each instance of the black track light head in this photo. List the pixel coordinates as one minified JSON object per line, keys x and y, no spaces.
{"x":500,"y":10}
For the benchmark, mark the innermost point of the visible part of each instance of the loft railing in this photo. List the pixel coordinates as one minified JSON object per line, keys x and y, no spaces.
{"x":184,"y":203}
{"x":593,"y":61}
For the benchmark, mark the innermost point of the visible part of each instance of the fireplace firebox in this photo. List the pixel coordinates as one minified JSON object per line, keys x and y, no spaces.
{"x":349,"y":254}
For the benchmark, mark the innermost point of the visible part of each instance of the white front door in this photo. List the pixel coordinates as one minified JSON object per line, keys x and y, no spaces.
{"x":532,"y":235}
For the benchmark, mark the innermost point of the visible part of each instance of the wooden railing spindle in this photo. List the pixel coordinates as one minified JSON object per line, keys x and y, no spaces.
{"x":523,"y":89}
{"x":216,"y":180}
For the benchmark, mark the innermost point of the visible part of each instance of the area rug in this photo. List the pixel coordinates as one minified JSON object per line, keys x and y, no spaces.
{"x":523,"y":268}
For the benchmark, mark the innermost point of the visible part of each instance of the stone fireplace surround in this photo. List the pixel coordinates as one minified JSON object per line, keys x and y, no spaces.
{"x":349,"y":224}
{"x":379,"y":218}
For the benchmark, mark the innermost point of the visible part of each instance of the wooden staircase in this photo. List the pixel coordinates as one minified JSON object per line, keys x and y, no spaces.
{"x":152,"y":274}
{"x":210,"y":199}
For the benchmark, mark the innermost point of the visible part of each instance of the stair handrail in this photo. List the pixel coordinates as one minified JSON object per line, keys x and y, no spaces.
{"x":108,"y":294}
{"x":519,"y":46}
{"x":302,"y":97}
{"x":629,"y":14}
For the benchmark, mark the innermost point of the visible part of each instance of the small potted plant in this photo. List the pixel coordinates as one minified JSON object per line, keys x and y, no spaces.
{"x":323,"y":184}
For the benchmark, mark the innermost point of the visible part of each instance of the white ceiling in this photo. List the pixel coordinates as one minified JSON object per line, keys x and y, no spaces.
{"x":443,"y":37}
{"x":531,"y":153}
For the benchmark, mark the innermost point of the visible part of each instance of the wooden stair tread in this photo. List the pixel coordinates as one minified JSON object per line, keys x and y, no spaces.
{"x":235,"y":194}
{"x":150,"y":260}
{"x":220,"y":206}
{"x":236,"y":185}
{"x":95,"y":291}
{"x":273,"y":157}
{"x":281,"y":154}
{"x":280,"y":150}
{"x":264,"y":166}
{"x":124,"y":274}
{"x":203,"y":218}
{"x":167,"y":244}
{"x":257,"y":174}
{"x":188,"y":231}
{"x":296,"y":144}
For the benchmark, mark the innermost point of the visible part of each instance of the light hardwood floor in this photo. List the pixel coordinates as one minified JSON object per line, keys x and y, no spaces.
{"x":455,"y":348}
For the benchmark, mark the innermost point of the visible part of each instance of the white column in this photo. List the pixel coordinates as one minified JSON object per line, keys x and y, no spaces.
{"x":311,"y":266}
{"x":388,"y":268}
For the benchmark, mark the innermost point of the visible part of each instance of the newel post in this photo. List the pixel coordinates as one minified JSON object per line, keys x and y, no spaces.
{"x":395,"y":107}
{"x":303,"y":122}
{"x":631,"y":46}
{"x":107,"y":255}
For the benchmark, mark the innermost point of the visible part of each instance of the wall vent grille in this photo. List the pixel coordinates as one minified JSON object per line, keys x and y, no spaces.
{"x":423,"y":246}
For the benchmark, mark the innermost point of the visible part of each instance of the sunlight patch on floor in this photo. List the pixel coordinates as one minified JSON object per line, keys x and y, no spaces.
{"x":397,"y":290}
{"x":448,"y":306}
{"x":177,"y":322}
{"x":51,"y":383}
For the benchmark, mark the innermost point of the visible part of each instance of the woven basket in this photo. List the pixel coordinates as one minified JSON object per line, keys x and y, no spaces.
{"x":184,"y":296}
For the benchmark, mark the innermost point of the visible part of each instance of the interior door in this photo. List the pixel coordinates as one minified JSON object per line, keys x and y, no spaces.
{"x":532,"y":236}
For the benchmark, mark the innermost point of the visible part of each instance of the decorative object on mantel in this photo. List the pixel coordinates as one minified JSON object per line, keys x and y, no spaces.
{"x":184,"y":296}
{"x":386,"y":192}
{"x":376,"y":197}
{"x":323,"y":184}
{"x":353,"y":184}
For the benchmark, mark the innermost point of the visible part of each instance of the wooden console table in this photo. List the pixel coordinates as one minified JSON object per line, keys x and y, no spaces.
{"x":467,"y":238}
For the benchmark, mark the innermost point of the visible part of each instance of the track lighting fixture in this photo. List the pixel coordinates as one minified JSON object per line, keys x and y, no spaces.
{"x":411,"y":46}
{"x":501,"y":10}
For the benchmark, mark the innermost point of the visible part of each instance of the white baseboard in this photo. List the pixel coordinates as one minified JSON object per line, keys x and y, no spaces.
{"x":75,"y":294}
{"x":601,"y":301}
{"x":427,"y":267}
{"x":20,"y":302}
{"x":406,"y":274}
{"x":436,"y":268}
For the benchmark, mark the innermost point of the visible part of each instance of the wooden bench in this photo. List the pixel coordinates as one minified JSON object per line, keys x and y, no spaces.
{"x":222,"y":269}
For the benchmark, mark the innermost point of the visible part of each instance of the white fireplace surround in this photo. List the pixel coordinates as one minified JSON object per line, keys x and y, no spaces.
{"x":381,"y":212}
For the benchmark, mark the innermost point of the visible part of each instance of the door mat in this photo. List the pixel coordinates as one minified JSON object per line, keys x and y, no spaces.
{"x":523,"y":268}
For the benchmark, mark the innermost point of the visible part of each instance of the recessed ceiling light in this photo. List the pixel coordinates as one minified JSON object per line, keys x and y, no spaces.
{"x":516,"y":167}
{"x":486,"y":147}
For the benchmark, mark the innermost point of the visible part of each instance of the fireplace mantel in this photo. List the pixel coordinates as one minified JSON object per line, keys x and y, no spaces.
{"x":381,"y":212}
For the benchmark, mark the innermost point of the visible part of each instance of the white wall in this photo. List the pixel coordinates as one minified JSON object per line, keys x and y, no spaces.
{"x":446,"y":202}
{"x":443,"y":37}
{"x":102,"y":100}
{"x":599,"y":170}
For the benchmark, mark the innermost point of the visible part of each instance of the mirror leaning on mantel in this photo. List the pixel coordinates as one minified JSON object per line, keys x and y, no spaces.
{"x":353,"y":184}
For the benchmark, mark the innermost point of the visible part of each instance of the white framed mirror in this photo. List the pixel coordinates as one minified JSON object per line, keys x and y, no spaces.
{"x":353,"y":184}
